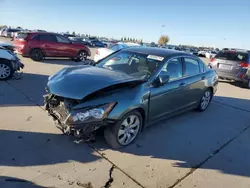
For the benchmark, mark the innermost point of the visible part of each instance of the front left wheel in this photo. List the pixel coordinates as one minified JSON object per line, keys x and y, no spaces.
{"x":205,"y":100}
{"x":81,"y":56}
{"x":125,"y":131}
{"x":6,"y":70}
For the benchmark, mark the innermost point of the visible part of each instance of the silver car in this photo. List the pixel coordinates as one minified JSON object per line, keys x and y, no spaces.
{"x":232,"y":64}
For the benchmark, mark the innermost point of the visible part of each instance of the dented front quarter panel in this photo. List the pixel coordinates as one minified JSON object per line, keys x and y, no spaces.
{"x":127,"y":99}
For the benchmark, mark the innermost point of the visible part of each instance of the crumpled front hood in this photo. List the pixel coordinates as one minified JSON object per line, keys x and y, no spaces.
{"x":79,"y":81}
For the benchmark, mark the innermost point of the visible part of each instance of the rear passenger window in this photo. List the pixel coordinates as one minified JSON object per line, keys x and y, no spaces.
{"x":192,"y":66}
{"x":48,"y":38}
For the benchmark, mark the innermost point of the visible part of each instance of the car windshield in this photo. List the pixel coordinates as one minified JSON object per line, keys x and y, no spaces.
{"x":134,"y":64}
{"x":232,"y":56}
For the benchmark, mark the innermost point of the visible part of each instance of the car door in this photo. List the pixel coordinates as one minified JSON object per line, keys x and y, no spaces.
{"x":65,"y":47}
{"x":168,"y":98}
{"x":195,"y":80}
{"x":49,"y":45}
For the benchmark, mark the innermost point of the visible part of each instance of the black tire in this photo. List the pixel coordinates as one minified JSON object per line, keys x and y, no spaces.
{"x":111,"y":132}
{"x":6,"y":70}
{"x":247,"y":85}
{"x":93,"y":44}
{"x":105,"y":46}
{"x":81,"y":56}
{"x":36,"y":54}
{"x":203,"y":106}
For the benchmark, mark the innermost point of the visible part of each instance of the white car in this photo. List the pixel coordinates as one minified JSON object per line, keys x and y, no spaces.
{"x":9,"y":63}
{"x":2,"y":31}
{"x":103,"y":52}
{"x":10,"y":32}
{"x":15,"y":33}
{"x":202,"y":53}
{"x":210,"y":54}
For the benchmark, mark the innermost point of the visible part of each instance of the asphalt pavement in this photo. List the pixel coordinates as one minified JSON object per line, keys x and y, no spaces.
{"x":209,"y":149}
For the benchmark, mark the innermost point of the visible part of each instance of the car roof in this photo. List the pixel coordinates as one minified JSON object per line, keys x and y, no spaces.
{"x":39,"y":32}
{"x":163,"y":52}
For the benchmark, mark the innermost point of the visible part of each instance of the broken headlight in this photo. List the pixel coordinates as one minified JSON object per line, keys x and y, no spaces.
{"x":90,"y":115}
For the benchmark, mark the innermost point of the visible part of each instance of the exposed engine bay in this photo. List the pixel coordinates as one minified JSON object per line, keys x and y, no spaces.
{"x":59,"y":109}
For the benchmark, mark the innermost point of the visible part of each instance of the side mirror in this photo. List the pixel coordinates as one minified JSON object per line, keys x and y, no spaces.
{"x":161,"y":80}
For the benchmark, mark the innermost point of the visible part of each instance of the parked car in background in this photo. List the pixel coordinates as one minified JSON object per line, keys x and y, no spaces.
{"x":68,"y":35}
{"x":202,"y":53}
{"x":97,"y":43}
{"x":232,"y":64}
{"x":128,"y":91}
{"x":78,"y":40}
{"x":39,"y":30}
{"x":38,"y":45}
{"x":2,"y":31}
{"x":103,"y":52}
{"x":14,"y":32}
{"x":194,"y":51}
{"x":108,"y":43}
{"x":9,"y":62}
{"x":210,"y":54}
{"x":10,"y":32}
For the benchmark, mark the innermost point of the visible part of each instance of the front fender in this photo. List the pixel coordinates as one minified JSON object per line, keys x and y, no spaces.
{"x":127,"y":99}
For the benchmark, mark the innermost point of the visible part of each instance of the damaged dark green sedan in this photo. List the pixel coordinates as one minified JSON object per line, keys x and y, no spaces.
{"x":127,"y":91}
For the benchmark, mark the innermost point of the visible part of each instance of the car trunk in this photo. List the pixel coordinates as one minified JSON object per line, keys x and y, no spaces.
{"x":230,"y":62}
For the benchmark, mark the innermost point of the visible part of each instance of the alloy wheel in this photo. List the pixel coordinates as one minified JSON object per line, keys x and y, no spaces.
{"x":5,"y":71}
{"x":129,"y":129}
{"x":82,"y":56}
{"x":205,"y":100}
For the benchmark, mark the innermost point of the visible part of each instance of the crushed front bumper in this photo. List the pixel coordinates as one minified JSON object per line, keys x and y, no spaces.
{"x":57,"y":109}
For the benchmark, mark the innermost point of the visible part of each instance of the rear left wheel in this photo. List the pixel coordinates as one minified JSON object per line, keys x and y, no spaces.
{"x":36,"y":55}
{"x":125,"y":131}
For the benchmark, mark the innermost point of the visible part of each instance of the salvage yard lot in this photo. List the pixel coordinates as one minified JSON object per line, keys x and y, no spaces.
{"x":210,"y":149}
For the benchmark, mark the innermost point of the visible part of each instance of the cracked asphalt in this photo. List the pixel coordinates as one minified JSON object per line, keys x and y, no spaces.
{"x":209,"y":149}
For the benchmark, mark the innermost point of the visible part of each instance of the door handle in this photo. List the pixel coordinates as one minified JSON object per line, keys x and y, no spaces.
{"x":203,"y":77}
{"x":182,"y":84}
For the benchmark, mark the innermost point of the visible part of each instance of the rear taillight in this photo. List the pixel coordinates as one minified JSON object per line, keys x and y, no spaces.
{"x":211,"y":60}
{"x":97,"y":52}
{"x":244,"y":64}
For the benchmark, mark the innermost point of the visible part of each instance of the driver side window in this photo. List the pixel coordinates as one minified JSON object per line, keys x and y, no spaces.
{"x":173,"y":68}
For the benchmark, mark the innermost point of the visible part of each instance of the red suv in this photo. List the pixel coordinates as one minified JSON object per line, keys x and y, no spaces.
{"x":38,"y":45}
